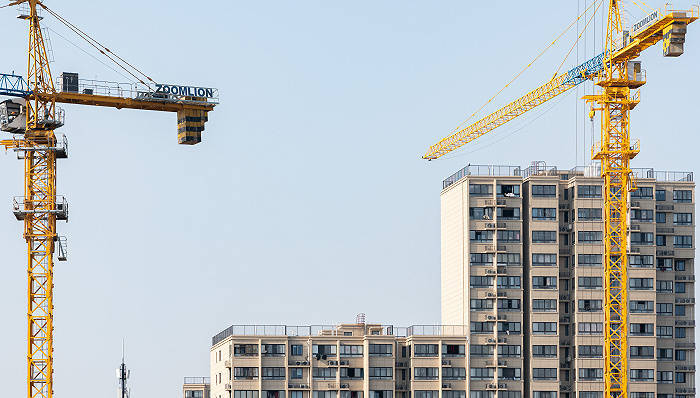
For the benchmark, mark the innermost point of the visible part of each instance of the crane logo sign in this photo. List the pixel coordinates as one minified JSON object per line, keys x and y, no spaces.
{"x":644,"y":23}
{"x":188,"y":91}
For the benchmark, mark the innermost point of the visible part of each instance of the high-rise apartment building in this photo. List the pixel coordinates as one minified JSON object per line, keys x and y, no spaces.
{"x":347,"y":361}
{"x":522,"y":253}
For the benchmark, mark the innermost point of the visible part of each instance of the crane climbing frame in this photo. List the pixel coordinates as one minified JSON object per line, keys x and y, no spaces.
{"x":618,"y":76}
{"x":40,"y":207}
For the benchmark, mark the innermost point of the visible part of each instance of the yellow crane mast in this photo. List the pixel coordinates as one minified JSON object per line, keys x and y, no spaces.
{"x":618,"y":76}
{"x":36,"y":143}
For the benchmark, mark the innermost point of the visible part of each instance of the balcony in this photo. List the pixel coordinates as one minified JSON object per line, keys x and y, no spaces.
{"x":39,"y":208}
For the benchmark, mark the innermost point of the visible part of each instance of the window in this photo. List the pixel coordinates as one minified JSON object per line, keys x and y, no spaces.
{"x":509,"y":394}
{"x":297,"y":350}
{"x":641,"y":374}
{"x":245,"y":373}
{"x":641,"y":306}
{"x":660,"y":217}
{"x":544,"y":282}
{"x":664,"y":308}
{"x":642,"y":238}
{"x":590,"y":328}
{"x":508,"y":213}
{"x":194,"y":394}
{"x":641,"y":261}
{"x":508,"y":236}
{"x":346,"y":394}
{"x":544,"y":190}
{"x":273,"y":394}
{"x":664,"y":377}
{"x":544,"y":305}
{"x":590,"y":351}
{"x":508,"y":282}
{"x":324,"y":373}
{"x":273,"y":350}
{"x":324,"y":349}
{"x":245,"y":350}
{"x":683,"y":241}
{"x":296,"y":373}
{"x":455,"y":373}
{"x":544,"y":328}
{"x":664,"y":354}
{"x":590,"y":374}
{"x":664,"y":264}
{"x":664,"y":332}
{"x":351,"y":350}
{"x":641,"y":351}
{"x":481,"y":394}
{"x":480,"y":350}
{"x":544,"y":373}
{"x":480,"y":236}
{"x":591,"y":394}
{"x":431,"y":350}
{"x":641,"y":283}
{"x":680,"y":377}
{"x":590,"y":236}
{"x":481,"y":259}
{"x":508,"y":373}
{"x":544,"y":259}
{"x":480,"y":189}
{"x":680,"y":287}
{"x":590,"y":282}
{"x":590,"y":214}
{"x":481,"y":281}
{"x":643,"y":193}
{"x":508,"y":190}
{"x":544,"y":213}
{"x":544,"y":236}
{"x":544,"y":351}
{"x":544,"y":394}
{"x":680,"y":265}
{"x":660,"y":196}
{"x":682,"y":218}
{"x":453,"y":350}
{"x":324,"y":394}
{"x":425,"y":394}
{"x":508,"y":259}
{"x":641,"y":329}
{"x":642,"y":215}
{"x":380,"y":394}
{"x":590,"y":305}
{"x":680,"y":333}
{"x":245,"y":394}
{"x":481,"y":373}
{"x":481,"y":327}
{"x":681,"y":355}
{"x":509,"y":327}
{"x":660,"y":240}
{"x":509,"y":304}
{"x":352,"y":373}
{"x":380,"y":350}
{"x":509,"y":351}
{"x":664,"y":286}
{"x":682,"y":196}
{"x":481,"y":213}
{"x":590,"y":191}
{"x":454,"y":394}
{"x":273,"y":373}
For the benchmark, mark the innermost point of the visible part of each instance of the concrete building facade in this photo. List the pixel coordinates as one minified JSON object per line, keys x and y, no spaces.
{"x":521,"y":267}
{"x":347,"y":361}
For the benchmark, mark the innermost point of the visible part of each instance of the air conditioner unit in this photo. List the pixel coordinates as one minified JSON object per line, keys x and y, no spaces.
{"x":490,"y":295}
{"x":446,"y":385}
{"x":298,"y":363}
{"x":305,"y":362}
{"x":344,"y":362}
{"x":491,"y":340}
{"x":345,"y":386}
{"x":446,"y":362}
{"x":332,"y":362}
{"x":490,"y":317}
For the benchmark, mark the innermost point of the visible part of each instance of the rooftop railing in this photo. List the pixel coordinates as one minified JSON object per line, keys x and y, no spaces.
{"x":197,"y":380}
{"x":482,"y":170}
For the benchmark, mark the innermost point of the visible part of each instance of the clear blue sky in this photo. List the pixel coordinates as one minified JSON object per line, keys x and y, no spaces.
{"x":307,"y":202}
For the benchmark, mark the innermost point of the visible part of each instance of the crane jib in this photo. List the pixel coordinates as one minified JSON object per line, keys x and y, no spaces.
{"x":585,"y":71}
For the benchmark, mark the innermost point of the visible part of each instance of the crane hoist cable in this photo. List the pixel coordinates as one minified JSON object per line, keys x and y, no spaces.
{"x":101,"y":48}
{"x":577,"y":39}
{"x":524,"y":69}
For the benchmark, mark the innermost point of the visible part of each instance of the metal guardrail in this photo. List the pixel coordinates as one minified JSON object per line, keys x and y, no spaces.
{"x":482,"y":170}
{"x":197,"y":380}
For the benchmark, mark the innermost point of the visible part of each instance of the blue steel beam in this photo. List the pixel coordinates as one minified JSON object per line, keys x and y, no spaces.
{"x":13,"y":86}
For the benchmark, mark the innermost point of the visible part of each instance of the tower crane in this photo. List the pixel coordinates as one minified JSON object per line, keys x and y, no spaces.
{"x":32,"y":119}
{"x":618,"y":75}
